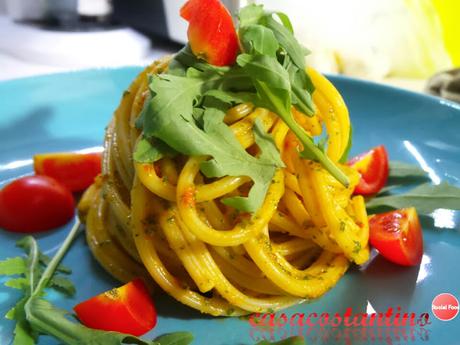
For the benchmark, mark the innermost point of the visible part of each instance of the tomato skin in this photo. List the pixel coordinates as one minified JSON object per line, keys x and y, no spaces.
{"x":74,"y":170}
{"x":211,"y":33}
{"x":127,"y":309}
{"x":374,"y":169}
{"x":35,"y":203}
{"x":397,"y":235}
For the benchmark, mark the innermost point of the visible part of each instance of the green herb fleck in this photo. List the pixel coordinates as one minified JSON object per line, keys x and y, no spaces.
{"x":357,"y":247}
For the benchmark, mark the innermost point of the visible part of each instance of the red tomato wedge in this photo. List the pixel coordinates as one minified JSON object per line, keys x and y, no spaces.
{"x":127,"y":309}
{"x":211,"y":33}
{"x":35,"y":203}
{"x":74,"y":170}
{"x":374,"y":169}
{"x":397,"y":235}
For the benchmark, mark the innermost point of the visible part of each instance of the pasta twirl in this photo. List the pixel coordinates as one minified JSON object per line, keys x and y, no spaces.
{"x":166,"y":223}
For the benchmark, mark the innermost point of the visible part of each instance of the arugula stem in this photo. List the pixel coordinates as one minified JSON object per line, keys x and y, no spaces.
{"x":330,"y":166}
{"x":33,"y":259}
{"x":51,"y":267}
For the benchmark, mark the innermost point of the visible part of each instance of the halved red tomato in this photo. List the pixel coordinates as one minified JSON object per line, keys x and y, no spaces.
{"x":74,"y":170}
{"x":397,"y":235}
{"x":127,"y":309}
{"x":374,"y":169}
{"x":211,"y":33}
{"x":35,"y":203}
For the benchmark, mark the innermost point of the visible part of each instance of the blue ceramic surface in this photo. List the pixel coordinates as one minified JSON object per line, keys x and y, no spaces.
{"x":70,"y":111}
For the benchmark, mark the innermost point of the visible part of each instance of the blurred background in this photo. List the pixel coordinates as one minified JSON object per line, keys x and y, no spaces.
{"x":399,"y":42}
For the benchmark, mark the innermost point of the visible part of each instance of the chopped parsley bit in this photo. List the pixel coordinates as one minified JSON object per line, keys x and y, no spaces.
{"x":310,"y":277}
{"x":342,"y":226}
{"x":357,"y":247}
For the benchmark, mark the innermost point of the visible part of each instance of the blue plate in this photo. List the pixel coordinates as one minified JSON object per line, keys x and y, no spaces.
{"x":70,"y":111}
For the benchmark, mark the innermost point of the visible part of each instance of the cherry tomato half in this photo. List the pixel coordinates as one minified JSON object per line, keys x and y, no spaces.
{"x":74,"y":170}
{"x":127,"y":309}
{"x":35,"y":203}
{"x":374,"y":169}
{"x":397,"y":235}
{"x":211,"y":33}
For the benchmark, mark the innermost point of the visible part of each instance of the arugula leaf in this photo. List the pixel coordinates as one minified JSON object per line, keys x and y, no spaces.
{"x":302,"y":87}
{"x":425,"y":198}
{"x":405,"y":170}
{"x":12,"y":266}
{"x":263,"y":176}
{"x":185,"y":58}
{"x":388,"y":188}
{"x":178,"y":338}
{"x":272,"y":83}
{"x":258,"y":39}
{"x":17,"y":283}
{"x":287,"y":341}
{"x":250,"y":14}
{"x":302,"y":99}
{"x":21,"y":266}
{"x":285,"y":21}
{"x":151,"y":150}
{"x":287,"y":40}
{"x":23,"y":333}
{"x":63,"y":284}
{"x":173,"y":100}
{"x":45,"y":260}
{"x":230,"y":159}
{"x":205,"y":135}
{"x":214,"y":98}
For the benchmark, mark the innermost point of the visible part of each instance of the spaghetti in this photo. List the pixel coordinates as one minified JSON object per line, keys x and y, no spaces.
{"x":166,"y":223}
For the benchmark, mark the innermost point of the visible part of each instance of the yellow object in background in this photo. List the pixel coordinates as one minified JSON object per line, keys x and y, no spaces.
{"x":449,"y":12}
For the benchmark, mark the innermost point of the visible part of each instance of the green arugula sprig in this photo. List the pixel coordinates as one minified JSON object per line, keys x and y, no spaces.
{"x":425,"y":196}
{"x":184,"y":112}
{"x":34,"y":315}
